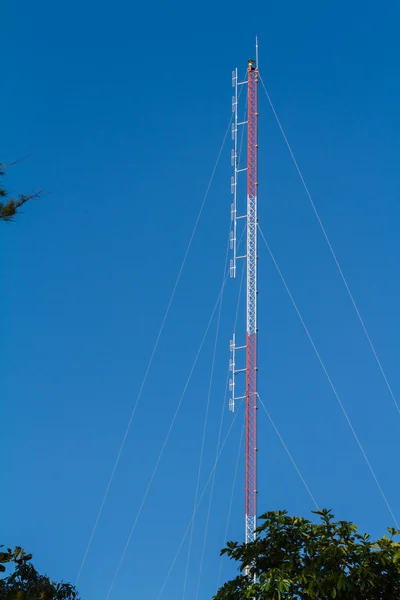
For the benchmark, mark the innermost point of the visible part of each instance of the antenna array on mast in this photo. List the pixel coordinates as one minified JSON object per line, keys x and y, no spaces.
{"x":234,"y":163}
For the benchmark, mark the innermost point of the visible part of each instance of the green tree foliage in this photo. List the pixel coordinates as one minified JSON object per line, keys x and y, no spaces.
{"x":25,"y":583}
{"x":296,"y":559}
{"x":10,"y":206}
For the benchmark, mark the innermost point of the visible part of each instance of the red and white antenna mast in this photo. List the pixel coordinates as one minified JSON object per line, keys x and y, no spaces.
{"x":250,"y":346}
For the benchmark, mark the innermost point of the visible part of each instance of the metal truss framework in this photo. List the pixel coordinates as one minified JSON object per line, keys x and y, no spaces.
{"x":250,"y":370}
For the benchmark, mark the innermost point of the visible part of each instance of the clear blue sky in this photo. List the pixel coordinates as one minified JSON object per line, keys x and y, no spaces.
{"x":122,"y":108}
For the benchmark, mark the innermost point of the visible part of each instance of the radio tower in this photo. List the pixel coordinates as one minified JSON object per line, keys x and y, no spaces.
{"x":250,"y":346}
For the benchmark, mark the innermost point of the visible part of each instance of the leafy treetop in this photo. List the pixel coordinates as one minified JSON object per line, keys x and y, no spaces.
{"x":296,"y":559}
{"x":25,"y":583}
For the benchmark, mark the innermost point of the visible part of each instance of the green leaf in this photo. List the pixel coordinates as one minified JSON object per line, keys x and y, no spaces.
{"x":5,"y":557}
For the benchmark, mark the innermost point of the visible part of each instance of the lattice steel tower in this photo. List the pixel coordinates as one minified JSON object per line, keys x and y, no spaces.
{"x":250,"y":346}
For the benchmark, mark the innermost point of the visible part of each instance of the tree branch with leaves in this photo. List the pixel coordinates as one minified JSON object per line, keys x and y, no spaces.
{"x":9,"y":206}
{"x":25,"y":583}
{"x":296,"y":559}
